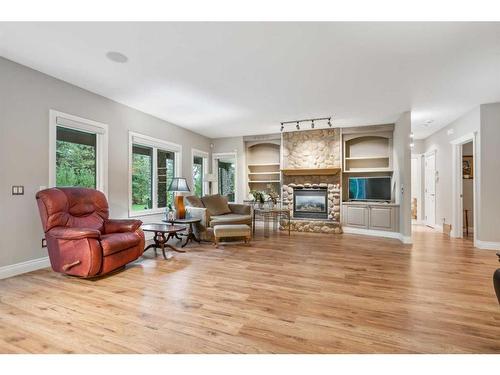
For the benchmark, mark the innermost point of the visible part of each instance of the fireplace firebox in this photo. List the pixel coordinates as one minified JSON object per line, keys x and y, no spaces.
{"x":310,"y":203}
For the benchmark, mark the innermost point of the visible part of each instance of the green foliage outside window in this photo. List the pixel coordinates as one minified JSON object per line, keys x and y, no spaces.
{"x":198,"y":175}
{"x":227,"y":174}
{"x":75,"y":162}
{"x":141,"y":178}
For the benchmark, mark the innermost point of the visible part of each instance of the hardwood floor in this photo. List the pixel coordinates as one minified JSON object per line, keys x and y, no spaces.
{"x":309,"y":293}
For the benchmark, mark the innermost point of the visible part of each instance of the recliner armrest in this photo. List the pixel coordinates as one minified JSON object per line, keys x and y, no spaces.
{"x":65,"y":233}
{"x":241,"y":209}
{"x":121,"y":225}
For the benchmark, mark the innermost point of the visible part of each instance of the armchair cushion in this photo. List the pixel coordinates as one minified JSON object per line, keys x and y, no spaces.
{"x":119,"y":226}
{"x":216,"y":204}
{"x":66,"y":233}
{"x":115,"y":242}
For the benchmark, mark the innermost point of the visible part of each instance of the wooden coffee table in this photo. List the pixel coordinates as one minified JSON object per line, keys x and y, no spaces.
{"x":160,"y":241}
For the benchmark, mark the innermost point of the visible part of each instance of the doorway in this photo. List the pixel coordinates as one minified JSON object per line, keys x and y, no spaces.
{"x":466,"y":180}
{"x":430,"y":189}
{"x":224,"y":165}
{"x":468,"y":190}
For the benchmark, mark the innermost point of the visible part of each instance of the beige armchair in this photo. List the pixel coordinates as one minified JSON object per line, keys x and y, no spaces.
{"x":213,"y":210}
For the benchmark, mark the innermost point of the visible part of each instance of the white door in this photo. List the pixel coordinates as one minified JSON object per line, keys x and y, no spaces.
{"x":430,"y":190}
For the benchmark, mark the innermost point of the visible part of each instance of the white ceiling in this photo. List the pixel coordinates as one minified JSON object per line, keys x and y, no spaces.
{"x":228,"y":79}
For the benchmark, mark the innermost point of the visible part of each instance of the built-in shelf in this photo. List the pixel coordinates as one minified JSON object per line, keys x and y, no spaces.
{"x":264,"y":182}
{"x":253,"y":173}
{"x":310,"y":171}
{"x":368,"y":152}
{"x":366,"y":157}
{"x":366,"y":170}
{"x":263,"y":168}
{"x":264,"y":165}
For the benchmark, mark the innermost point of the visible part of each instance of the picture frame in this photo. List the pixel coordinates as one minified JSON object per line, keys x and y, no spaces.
{"x":467,"y":167}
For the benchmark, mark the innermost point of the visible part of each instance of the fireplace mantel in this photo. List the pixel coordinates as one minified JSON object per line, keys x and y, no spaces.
{"x":310,"y":171}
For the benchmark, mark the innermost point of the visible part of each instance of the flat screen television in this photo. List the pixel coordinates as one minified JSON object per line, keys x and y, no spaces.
{"x":369,"y":188}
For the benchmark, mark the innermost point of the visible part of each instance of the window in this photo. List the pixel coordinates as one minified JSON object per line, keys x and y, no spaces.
{"x":198,"y":176}
{"x":78,"y":152}
{"x":199,"y":170}
{"x":154,"y":163}
{"x":166,"y":172}
{"x":142,"y":178}
{"x":225,"y":165}
{"x":76,"y":156}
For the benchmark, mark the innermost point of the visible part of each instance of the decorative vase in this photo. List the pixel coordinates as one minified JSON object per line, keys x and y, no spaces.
{"x":171,"y":215}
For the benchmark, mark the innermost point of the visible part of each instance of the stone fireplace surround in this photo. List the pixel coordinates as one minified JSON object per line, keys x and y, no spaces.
{"x":313,"y":149}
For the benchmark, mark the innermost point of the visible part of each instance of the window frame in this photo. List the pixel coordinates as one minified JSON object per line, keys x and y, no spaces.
{"x":215,"y":169}
{"x":205,"y":156}
{"x":155,"y":144}
{"x":68,"y":121}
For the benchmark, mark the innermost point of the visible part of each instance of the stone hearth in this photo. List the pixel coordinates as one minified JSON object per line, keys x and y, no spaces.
{"x":314,"y":149}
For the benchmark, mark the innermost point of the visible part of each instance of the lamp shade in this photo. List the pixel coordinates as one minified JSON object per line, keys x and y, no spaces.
{"x":178,"y":184}
{"x":209,"y":177}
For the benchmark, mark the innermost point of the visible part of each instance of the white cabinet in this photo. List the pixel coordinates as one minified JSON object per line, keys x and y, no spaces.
{"x":356,"y":216}
{"x":371,"y":216}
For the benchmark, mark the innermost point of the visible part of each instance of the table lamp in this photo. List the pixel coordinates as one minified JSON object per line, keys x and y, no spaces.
{"x":179,"y":185}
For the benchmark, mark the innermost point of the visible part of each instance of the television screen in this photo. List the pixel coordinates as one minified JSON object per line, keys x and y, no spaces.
{"x":370,"y":188}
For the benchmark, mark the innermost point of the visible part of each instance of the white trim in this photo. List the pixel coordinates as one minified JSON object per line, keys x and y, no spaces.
{"x":457,"y":184}
{"x":377,"y":233}
{"x":205,"y":155}
{"x":431,"y":152}
{"x":23,"y":267}
{"x":215,"y":170}
{"x":66,"y":120}
{"x":155,"y":144}
{"x":486,"y":245}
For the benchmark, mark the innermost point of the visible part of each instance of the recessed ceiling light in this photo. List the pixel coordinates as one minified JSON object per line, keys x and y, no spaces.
{"x":428,"y":122}
{"x":117,"y":57}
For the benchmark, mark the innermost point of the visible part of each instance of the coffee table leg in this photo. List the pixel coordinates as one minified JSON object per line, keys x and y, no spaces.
{"x":163,"y":243}
{"x":190,"y":236}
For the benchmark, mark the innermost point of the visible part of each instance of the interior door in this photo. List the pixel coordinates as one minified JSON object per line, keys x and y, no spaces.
{"x":430,"y":190}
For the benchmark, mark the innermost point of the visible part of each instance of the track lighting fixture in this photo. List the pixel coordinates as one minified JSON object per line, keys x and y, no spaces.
{"x":313,"y":125}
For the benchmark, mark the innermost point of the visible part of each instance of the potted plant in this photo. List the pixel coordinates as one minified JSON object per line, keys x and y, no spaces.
{"x":258,"y":197}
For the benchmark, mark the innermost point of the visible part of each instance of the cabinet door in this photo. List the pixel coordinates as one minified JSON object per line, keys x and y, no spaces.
{"x":356,"y":216}
{"x":382,"y":218}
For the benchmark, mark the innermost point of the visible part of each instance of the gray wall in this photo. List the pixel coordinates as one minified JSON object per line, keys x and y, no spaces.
{"x":26,"y":96}
{"x":402,"y":173}
{"x":440,"y":141}
{"x":489,"y":200}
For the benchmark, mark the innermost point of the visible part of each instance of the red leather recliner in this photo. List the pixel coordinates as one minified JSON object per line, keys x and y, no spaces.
{"x":81,"y":240}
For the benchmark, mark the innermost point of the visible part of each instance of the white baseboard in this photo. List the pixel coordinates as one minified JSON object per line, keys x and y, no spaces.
{"x":377,"y":233}
{"x":405,"y":239}
{"x":23,"y":267}
{"x":487,"y":245}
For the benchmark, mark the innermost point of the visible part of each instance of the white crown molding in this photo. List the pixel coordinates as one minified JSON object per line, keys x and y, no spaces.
{"x":23,"y":267}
